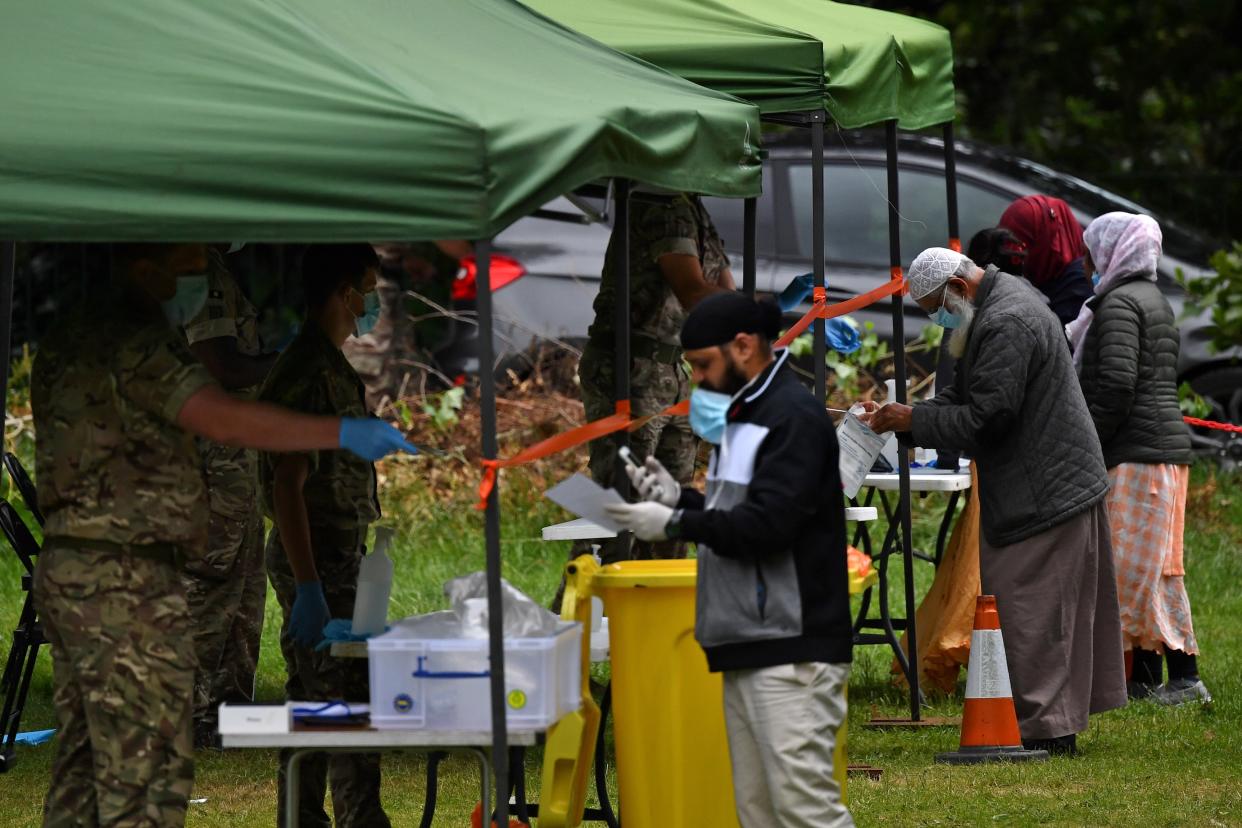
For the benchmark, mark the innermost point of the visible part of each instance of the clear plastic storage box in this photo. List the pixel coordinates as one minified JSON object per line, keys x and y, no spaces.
{"x":424,"y":675}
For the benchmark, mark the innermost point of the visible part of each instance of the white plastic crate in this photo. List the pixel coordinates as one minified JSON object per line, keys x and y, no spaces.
{"x":422,"y":677}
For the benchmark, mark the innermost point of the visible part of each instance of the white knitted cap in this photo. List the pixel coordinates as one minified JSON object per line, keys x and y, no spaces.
{"x":933,"y":267}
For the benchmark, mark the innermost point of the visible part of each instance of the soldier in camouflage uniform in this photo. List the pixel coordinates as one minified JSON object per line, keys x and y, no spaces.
{"x":117,"y":395}
{"x":227,"y":587}
{"x":321,"y":504}
{"x":394,"y":359}
{"x":676,"y":259}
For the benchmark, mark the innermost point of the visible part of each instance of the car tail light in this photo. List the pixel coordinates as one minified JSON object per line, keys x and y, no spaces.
{"x":504,"y":269}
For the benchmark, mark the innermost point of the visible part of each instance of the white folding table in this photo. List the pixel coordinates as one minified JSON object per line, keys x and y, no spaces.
{"x":922,"y":482}
{"x":301,"y":740}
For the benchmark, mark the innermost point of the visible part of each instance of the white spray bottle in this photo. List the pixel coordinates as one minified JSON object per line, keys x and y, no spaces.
{"x":374,"y":587}
{"x":889,"y":452}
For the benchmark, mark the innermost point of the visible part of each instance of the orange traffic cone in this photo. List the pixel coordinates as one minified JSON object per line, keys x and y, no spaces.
{"x":989,"y":723}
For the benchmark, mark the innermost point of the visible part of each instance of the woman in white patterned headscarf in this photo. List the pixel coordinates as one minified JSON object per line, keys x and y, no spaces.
{"x":1125,"y":346}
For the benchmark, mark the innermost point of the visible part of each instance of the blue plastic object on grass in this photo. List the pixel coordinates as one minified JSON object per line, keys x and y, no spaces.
{"x":34,"y":737}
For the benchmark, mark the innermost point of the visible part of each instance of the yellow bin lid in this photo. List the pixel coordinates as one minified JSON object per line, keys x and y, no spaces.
{"x":675,"y":573}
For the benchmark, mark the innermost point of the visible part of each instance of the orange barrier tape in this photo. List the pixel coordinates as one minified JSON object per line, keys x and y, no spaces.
{"x":571,"y":439}
{"x":622,"y":418}
{"x":1195,"y":421}
{"x":820,"y":310}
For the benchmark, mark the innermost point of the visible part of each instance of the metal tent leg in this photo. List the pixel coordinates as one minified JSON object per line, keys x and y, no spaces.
{"x":749,"y":244}
{"x":487,"y":402}
{"x":899,"y":372}
{"x":8,"y":266}
{"x":818,"y":327}
{"x":621,"y":325}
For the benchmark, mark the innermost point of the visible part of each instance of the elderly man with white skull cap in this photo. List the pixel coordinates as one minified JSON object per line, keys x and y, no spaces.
{"x":1016,"y":407}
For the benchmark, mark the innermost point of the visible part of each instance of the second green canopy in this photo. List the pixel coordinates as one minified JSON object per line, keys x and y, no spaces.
{"x":862,"y":65}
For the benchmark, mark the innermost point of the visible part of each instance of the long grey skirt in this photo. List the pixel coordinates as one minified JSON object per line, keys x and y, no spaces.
{"x":1057,"y":599}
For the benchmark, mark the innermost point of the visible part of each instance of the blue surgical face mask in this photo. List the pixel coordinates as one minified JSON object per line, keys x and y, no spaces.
{"x":943,"y":317}
{"x":364,"y":324}
{"x":189,"y":299}
{"x":708,"y":411}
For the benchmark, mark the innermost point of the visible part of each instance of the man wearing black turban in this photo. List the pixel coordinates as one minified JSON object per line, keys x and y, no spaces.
{"x":772,"y":609}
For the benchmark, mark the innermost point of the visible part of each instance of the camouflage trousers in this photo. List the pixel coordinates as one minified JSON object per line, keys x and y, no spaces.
{"x":320,"y":676}
{"x":123,"y":669}
{"x":226,"y":610}
{"x":654,"y":386}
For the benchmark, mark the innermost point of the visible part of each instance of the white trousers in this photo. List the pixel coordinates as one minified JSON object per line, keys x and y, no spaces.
{"x":782,"y":724}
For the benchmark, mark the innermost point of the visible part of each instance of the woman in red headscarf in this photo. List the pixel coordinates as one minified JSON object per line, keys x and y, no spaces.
{"x":1054,"y":252}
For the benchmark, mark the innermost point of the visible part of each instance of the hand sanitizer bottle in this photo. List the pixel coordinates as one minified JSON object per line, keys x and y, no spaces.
{"x":374,"y":587}
{"x":889,"y":452}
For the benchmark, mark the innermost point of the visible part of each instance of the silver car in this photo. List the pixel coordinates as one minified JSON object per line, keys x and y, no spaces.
{"x":563,"y":259}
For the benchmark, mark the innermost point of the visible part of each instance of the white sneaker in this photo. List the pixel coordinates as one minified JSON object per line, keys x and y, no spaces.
{"x":1181,"y":691}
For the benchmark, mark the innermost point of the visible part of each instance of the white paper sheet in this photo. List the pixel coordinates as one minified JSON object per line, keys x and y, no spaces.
{"x":859,"y":447}
{"x":585,"y":498}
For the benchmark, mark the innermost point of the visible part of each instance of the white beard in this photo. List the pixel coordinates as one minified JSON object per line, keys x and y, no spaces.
{"x":961,"y":334}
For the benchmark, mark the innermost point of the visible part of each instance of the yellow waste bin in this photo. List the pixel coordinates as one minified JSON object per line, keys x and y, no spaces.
{"x":668,"y":714}
{"x":668,"y":710}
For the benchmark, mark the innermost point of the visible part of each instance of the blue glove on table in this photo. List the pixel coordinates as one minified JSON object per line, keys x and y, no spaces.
{"x":796,"y":291}
{"x":340,"y":629}
{"x":372,"y":439}
{"x":309,"y":615}
{"x":842,"y":336}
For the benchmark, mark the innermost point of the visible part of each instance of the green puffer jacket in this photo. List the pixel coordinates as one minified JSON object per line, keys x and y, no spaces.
{"x":1128,"y":373}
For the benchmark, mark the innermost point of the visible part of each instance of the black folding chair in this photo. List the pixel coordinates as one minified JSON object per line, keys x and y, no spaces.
{"x":25,"y":486}
{"x":28,"y":635}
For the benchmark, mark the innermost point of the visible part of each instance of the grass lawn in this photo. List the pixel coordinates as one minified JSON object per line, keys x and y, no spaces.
{"x":1143,"y":765}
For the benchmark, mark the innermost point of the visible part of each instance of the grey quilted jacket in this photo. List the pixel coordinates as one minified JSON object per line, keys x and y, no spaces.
{"x":1129,"y":376}
{"x":1016,"y":407}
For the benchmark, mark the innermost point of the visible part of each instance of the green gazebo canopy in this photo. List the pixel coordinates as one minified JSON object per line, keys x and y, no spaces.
{"x":323,"y":120}
{"x":862,"y":65}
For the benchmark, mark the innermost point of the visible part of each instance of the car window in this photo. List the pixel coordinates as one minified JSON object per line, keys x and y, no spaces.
{"x":727,"y":215}
{"x":856,"y":212}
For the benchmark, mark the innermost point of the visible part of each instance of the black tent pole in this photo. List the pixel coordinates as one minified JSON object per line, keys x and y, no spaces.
{"x":495,"y":610}
{"x":950,"y":186}
{"x":621,"y":324}
{"x":749,"y":232}
{"x":903,"y":456}
{"x":944,"y":360}
{"x":8,"y":266}
{"x":818,"y":328}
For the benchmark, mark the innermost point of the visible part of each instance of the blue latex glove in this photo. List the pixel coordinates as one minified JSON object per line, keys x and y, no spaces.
{"x":796,"y":291}
{"x":372,"y":439}
{"x":841,"y":336}
{"x":309,"y":615}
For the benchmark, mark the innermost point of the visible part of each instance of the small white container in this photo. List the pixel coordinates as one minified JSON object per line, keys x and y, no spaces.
{"x":425,"y":676}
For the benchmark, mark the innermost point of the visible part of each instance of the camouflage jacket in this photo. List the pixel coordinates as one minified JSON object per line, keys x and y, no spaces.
{"x":232,"y":474}
{"x":111,"y":463}
{"x":313,"y":376}
{"x":658,"y":225}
